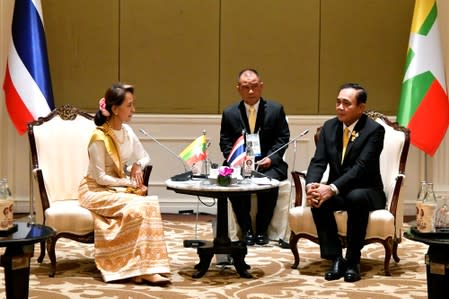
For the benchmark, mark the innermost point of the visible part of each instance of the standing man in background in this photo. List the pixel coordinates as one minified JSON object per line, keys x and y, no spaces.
{"x":264,"y":121}
{"x":351,"y":144}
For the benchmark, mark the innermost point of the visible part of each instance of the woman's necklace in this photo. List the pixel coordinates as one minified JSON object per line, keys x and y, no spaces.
{"x":121,"y":138}
{"x":114,"y":134}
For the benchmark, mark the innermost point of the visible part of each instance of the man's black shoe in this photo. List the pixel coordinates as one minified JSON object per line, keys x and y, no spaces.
{"x":262,"y":239}
{"x":249,"y":238}
{"x":352,"y":273}
{"x":337,"y":269}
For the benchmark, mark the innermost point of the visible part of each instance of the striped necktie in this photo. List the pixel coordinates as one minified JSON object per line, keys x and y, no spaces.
{"x":345,"y":143}
{"x":252,"y":118}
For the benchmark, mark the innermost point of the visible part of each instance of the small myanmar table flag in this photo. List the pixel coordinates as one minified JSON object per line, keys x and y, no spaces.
{"x":196,"y":151}
{"x":424,"y":106}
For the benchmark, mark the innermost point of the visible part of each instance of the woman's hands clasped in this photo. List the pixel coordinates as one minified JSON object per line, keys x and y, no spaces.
{"x":137,"y":178}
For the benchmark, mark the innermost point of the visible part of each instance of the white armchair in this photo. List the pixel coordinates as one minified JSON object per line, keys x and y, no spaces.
{"x":384,"y":226}
{"x":58,"y":144}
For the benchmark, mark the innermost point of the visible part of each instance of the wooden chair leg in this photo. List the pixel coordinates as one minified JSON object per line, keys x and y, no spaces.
{"x":395,"y":250}
{"x":51,"y":246}
{"x":294,"y":248}
{"x":42,"y":254}
{"x":388,"y":245}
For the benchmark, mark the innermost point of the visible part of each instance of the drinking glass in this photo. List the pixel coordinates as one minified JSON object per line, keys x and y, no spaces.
{"x":442,"y":213}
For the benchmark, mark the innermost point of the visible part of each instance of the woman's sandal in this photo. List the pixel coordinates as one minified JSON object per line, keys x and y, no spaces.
{"x":154,"y":279}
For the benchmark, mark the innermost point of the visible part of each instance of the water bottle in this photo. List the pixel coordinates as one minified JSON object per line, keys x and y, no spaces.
{"x":442,"y":214}
{"x":4,"y":190}
{"x":6,"y":206}
{"x":428,"y":208}
{"x":421,"y":194}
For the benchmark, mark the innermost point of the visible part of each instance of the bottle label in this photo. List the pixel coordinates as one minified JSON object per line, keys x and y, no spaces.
{"x":6,"y":214}
{"x":427,"y":212}
{"x":418,"y":214}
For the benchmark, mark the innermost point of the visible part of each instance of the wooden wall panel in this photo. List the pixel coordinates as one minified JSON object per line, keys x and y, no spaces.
{"x":184,"y":56}
{"x":280,"y":40}
{"x":365,"y":42}
{"x":169,"y":51}
{"x":83,"y":49}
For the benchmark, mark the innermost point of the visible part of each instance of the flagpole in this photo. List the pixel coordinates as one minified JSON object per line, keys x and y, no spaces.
{"x":205,"y":166}
{"x":425,"y":167}
{"x":31,"y":216}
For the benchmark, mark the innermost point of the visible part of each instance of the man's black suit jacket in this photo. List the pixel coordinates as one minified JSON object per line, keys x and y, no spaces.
{"x":360,"y":168}
{"x":271,"y":123}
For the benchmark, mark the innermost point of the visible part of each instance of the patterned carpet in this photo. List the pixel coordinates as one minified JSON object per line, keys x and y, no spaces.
{"x":77,"y":276}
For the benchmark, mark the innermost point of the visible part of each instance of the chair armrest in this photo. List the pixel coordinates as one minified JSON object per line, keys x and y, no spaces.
{"x":38,"y":176}
{"x":42,"y":196}
{"x":146,"y":174}
{"x":397,"y":188}
{"x":299,"y":179}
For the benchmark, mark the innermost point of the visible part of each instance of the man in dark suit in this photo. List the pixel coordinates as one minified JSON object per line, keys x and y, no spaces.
{"x":273,"y":132}
{"x":354,"y":183}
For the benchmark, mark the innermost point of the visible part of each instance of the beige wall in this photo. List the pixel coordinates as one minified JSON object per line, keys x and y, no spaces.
{"x":282,"y":82}
{"x":183,"y":56}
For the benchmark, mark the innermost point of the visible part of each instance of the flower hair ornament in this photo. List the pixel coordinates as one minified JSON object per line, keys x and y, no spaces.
{"x":102,"y":107}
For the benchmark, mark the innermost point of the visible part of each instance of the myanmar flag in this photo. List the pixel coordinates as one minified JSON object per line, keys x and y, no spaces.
{"x":195,"y":152}
{"x":424,"y":106}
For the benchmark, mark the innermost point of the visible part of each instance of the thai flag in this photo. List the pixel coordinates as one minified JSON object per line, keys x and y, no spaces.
{"x":238,"y":153}
{"x":27,"y":84}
